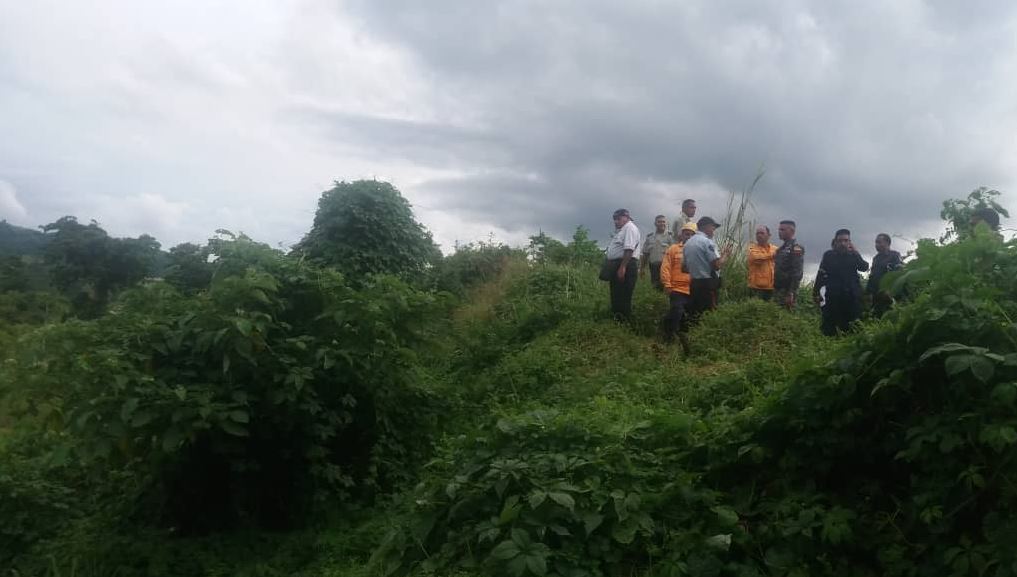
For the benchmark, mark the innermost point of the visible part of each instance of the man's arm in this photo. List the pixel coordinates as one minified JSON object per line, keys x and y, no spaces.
{"x":665,"y":270}
{"x":821,"y":278}
{"x":860,"y":263}
{"x":624,"y":264}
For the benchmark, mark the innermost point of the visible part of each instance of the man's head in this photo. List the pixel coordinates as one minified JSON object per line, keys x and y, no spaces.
{"x":986,"y":215}
{"x":689,"y":207}
{"x":621,"y":217}
{"x":786,"y":230}
{"x":688,"y":230}
{"x":660,"y":222}
{"x":882,"y":242}
{"x":762,"y":235}
{"x":707,"y":225}
{"x":842,"y":240}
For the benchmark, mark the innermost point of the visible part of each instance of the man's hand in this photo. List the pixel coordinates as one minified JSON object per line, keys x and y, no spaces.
{"x":621,"y":272}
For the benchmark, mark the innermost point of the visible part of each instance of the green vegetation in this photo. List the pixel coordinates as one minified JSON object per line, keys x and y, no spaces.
{"x":256,"y":413}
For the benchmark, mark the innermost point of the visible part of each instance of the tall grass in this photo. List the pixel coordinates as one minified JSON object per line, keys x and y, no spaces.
{"x":736,"y":234}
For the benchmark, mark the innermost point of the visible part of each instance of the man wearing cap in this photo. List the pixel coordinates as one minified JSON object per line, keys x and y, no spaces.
{"x":623,"y":252}
{"x":788,"y":266}
{"x":678,"y":286}
{"x":760,"y":257}
{"x":702,"y":261}
{"x":685,"y":217}
{"x":654,"y":246}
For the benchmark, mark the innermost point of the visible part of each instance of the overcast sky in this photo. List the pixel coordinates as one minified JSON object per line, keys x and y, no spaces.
{"x":504,"y":118}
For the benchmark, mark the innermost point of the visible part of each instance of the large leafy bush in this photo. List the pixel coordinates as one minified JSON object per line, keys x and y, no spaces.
{"x":367,"y":227}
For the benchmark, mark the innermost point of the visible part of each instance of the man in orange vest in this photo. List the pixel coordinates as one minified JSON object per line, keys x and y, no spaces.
{"x":761,"y":264}
{"x":678,"y":286}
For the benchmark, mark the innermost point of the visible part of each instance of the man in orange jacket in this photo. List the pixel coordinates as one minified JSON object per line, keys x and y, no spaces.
{"x":678,"y":286}
{"x":761,"y":264}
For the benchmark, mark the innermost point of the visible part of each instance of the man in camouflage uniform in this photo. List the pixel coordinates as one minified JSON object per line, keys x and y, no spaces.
{"x":788,"y":264}
{"x":654,"y":247}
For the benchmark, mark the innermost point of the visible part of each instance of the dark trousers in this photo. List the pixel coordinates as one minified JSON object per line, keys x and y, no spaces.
{"x":621,"y":291}
{"x":703,"y":297}
{"x":765,"y":294}
{"x":839,"y":312}
{"x":655,"y":275}
{"x":674,"y":320}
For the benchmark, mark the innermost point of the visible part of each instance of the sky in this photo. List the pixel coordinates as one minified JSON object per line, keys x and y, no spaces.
{"x":500,"y":119}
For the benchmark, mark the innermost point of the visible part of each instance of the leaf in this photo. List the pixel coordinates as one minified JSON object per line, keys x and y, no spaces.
{"x":982,"y":368}
{"x":1005,"y":393}
{"x":949,"y":348}
{"x":591,"y":520}
{"x":726,"y":515}
{"x":128,"y":409}
{"x":505,"y":550}
{"x":537,"y":498}
{"x":537,"y":564}
{"x":142,"y":418}
{"x":233,"y":428}
{"x":721,"y":541}
{"x":624,"y":533}
{"x":563,"y":499}
{"x":517,"y":566}
{"x":510,"y":511}
{"x":239,"y":416}
{"x":172,"y":438}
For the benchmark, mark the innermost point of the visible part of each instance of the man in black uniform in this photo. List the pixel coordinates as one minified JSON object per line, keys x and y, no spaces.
{"x":838,"y":272}
{"x":788,"y":264}
{"x":886,"y":260}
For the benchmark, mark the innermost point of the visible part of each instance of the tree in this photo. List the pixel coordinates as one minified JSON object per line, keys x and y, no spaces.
{"x":957,"y":213}
{"x":188,"y":268}
{"x":88,"y":266}
{"x":367,"y":227}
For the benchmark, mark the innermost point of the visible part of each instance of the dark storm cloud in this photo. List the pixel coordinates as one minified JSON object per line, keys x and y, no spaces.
{"x":866,"y":115}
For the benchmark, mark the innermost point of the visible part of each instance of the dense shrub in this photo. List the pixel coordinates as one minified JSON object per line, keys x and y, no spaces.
{"x":366,"y":227}
{"x":472,"y":264}
{"x":277,"y":385}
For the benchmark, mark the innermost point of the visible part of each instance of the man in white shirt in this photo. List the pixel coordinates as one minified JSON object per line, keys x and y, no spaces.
{"x":623,"y":251}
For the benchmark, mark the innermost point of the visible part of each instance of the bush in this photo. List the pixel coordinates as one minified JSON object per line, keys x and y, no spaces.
{"x":277,"y":387}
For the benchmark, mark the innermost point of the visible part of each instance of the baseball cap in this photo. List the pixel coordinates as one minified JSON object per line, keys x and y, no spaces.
{"x":706,"y":221}
{"x":622,"y":212}
{"x":690,"y":226}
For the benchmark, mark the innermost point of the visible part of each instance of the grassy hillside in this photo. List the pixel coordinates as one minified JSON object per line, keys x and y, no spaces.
{"x":550,"y":440}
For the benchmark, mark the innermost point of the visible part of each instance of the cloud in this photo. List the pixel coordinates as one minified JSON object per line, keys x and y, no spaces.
{"x":10,"y":209}
{"x":181,"y":118}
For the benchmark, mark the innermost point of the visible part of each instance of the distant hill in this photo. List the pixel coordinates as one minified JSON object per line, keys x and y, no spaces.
{"x":20,"y":241}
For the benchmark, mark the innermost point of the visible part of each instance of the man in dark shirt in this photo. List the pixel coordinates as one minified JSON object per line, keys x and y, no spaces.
{"x":788,"y":265}
{"x":886,"y":260}
{"x":838,"y":273}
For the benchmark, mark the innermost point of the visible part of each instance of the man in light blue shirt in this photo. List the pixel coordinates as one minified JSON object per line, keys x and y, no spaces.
{"x":702,"y":260}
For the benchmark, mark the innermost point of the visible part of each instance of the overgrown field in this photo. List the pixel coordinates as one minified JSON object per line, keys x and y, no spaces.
{"x":284,"y":420}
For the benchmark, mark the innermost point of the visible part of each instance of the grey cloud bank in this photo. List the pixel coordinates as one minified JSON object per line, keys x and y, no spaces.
{"x":507,"y":117}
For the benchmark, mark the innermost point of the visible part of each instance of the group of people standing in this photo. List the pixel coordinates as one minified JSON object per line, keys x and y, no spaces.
{"x":686,"y":264}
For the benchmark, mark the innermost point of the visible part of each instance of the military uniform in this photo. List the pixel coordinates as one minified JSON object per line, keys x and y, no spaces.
{"x":682,"y":220}
{"x":788,"y":265}
{"x":654,"y":247}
